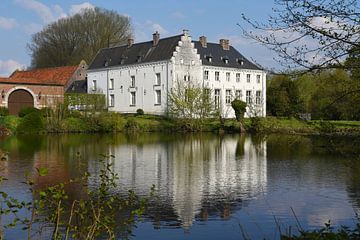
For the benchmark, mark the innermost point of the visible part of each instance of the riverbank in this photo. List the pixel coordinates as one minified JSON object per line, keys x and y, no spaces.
{"x":41,"y":122}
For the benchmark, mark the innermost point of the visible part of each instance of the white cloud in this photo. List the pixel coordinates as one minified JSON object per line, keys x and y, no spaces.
{"x":46,"y":13}
{"x":80,"y":7}
{"x":7,"y":23}
{"x":144,"y":31}
{"x":9,"y":66}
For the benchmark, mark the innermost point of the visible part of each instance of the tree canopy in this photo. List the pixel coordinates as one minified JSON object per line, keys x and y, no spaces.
{"x":79,"y":37}
{"x":312,"y":34}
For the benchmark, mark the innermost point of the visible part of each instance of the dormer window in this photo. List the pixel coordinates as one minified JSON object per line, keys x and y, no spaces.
{"x":225,"y":59}
{"x":209,"y":58}
{"x":240,"y":61}
{"x":139,"y":58}
{"x":106,"y":63}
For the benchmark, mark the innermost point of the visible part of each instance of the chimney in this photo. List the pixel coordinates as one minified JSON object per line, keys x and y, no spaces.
{"x":225,"y":44}
{"x":130,"y":42}
{"x":203,"y":41}
{"x":156,"y":38}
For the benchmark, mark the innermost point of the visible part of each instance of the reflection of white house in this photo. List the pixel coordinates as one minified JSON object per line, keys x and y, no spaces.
{"x":185,"y":172}
{"x":141,"y":75}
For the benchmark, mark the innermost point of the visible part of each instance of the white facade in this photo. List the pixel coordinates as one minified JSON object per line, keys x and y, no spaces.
{"x":146,"y":85}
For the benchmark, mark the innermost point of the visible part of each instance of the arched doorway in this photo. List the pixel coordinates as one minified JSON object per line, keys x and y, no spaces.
{"x":19,"y":99}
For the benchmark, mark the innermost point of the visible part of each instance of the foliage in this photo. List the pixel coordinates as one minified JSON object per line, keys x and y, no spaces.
{"x":31,"y":123}
{"x":102,"y":212}
{"x":10,"y":122}
{"x":79,"y":37}
{"x":85,"y":102}
{"x":4,"y":111}
{"x":132,"y":125}
{"x":188,"y":101}
{"x":27,"y":110}
{"x":139,"y":112}
{"x":327,"y":233}
{"x":239,"y":108}
{"x":330,"y":26}
{"x":283,"y":97}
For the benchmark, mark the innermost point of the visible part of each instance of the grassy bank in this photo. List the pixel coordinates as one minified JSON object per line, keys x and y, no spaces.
{"x":80,"y":122}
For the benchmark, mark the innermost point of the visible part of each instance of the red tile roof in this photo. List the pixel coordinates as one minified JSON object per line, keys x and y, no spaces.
{"x":46,"y":76}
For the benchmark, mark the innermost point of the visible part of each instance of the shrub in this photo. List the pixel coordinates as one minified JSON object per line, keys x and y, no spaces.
{"x":131,"y":125}
{"x":27,"y":110}
{"x":139,"y":112}
{"x":31,"y":123}
{"x":46,"y":112}
{"x":4,"y":111}
{"x":10,"y":122}
{"x":73,"y":124}
{"x":239,"y":108}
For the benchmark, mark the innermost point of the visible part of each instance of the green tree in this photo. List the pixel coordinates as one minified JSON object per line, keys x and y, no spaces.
{"x":239,"y":109}
{"x":79,"y":37}
{"x":283,"y":96}
{"x":191,"y":102}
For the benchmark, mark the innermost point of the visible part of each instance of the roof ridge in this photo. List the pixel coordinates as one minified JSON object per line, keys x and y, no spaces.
{"x":47,"y":68}
{"x":124,"y":45}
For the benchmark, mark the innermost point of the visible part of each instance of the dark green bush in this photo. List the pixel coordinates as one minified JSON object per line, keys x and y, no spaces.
{"x":139,"y":112}
{"x":46,"y":112}
{"x":31,"y":123}
{"x":27,"y":110}
{"x":239,"y":108}
{"x":4,"y":111}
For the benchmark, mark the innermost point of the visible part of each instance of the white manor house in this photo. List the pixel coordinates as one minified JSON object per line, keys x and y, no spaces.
{"x":141,"y":75}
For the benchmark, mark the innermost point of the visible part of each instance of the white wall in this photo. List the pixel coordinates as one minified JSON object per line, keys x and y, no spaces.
{"x":145,"y":86}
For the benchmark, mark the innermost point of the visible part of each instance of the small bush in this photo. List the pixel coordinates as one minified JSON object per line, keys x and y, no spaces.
{"x":4,"y":111}
{"x":31,"y":123}
{"x":27,"y":110}
{"x":131,"y":125}
{"x":139,"y":112}
{"x":257,"y":125}
{"x":10,"y":122}
{"x":72,"y":124}
{"x":326,"y":127}
{"x":46,"y":112}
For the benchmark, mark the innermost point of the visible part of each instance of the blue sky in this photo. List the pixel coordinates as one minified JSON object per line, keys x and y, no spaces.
{"x":216,"y":19}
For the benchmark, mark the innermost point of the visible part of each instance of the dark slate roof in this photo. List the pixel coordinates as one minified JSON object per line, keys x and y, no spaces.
{"x":137,"y":53}
{"x":218,"y":56}
{"x":146,"y":52}
{"x":79,"y":86}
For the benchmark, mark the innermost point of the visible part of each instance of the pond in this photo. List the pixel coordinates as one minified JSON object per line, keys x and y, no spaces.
{"x":208,"y":186}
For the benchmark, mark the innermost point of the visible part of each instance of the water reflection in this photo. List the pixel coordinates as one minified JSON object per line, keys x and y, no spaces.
{"x":193,"y":172}
{"x":203,"y":178}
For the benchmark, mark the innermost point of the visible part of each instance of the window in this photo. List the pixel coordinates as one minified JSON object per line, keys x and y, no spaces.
{"x":228,"y":96}
{"x":206,"y":75}
{"x":258,"y":97}
{"x":132,"y":98}
{"x":94,"y":85}
{"x":217,"y":76}
{"x":111,"y":100}
{"x":158,"y":79}
{"x":248,"y":77}
{"x":186,"y":78}
{"x":111,"y":83}
{"x":238,"y":77}
{"x":238,"y":94}
{"x":248,"y":97}
{"x":228,"y":76}
{"x":258,"y":77}
{"x":157,"y":97}
{"x":217,"y":98}
{"x":132,"y":84}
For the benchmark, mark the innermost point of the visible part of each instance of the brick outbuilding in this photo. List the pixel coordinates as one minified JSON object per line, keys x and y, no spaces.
{"x":38,"y":88}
